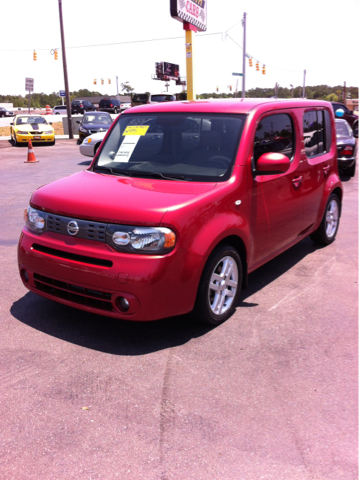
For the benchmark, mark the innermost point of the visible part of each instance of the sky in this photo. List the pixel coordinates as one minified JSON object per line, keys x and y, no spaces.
{"x":286,"y":37}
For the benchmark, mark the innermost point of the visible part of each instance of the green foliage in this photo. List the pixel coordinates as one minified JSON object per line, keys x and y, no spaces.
{"x":320,"y":92}
{"x":125,"y":86}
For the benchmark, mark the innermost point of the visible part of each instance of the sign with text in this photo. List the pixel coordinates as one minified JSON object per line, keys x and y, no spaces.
{"x":190,"y":11}
{"x":62,"y":93}
{"x":238,"y":74}
{"x":29,"y":84}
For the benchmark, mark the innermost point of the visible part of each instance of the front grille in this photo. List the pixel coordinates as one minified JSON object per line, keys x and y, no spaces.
{"x":74,"y":293}
{"x":36,"y":132}
{"x":88,"y":230}
{"x":72,"y":256}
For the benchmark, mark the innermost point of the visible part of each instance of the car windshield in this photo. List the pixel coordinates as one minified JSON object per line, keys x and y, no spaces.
{"x":103,"y":119}
{"x":140,"y":98}
{"x":342,"y":129}
{"x":31,"y":120}
{"x":161,"y":98}
{"x":191,"y":147}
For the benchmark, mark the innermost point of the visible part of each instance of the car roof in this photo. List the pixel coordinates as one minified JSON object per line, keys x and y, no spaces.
{"x":227,"y":105}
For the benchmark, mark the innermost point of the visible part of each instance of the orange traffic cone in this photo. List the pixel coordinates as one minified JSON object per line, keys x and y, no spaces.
{"x":48,"y":110}
{"x":31,"y":155}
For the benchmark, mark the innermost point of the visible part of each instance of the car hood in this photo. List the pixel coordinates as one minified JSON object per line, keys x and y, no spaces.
{"x":108,"y":198}
{"x":27,"y":127}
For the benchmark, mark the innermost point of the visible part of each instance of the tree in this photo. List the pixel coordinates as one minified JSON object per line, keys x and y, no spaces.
{"x":125,"y":86}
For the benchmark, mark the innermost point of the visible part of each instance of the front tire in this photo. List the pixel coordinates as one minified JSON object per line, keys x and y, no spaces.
{"x":328,"y":229}
{"x":220,"y":286}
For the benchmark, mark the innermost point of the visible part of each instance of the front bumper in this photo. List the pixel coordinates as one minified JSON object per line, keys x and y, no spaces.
{"x":87,"y":149}
{"x":35,"y":138}
{"x":93,"y":277}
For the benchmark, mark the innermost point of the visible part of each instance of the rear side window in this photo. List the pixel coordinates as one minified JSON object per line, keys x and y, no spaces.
{"x":142,"y":97}
{"x":317,"y":132}
{"x":274,"y":134}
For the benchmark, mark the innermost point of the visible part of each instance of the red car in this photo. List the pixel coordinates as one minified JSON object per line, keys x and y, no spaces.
{"x":181,"y":202}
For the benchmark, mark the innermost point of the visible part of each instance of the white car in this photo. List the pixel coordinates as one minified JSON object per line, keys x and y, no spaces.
{"x":91,"y":143}
{"x":125,"y":106}
{"x":60,"y":110}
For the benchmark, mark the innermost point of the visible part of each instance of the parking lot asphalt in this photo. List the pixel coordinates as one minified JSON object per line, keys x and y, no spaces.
{"x":270,"y":394}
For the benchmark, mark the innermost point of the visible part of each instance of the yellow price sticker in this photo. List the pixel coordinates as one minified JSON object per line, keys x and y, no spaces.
{"x":136,"y":130}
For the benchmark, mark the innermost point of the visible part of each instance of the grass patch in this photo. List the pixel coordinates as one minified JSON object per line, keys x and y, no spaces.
{"x":58,"y":127}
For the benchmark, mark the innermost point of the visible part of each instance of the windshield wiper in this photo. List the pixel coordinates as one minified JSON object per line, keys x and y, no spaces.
{"x":159,"y":174}
{"x":122,"y":173}
{"x":139,"y":173}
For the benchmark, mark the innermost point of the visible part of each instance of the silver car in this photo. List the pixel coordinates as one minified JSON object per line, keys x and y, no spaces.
{"x":90,"y":144}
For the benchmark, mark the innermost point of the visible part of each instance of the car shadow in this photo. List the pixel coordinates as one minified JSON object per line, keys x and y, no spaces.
{"x":119,"y":337}
{"x":87,"y":162}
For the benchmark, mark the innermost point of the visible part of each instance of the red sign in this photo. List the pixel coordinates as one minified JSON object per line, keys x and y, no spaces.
{"x":190,"y":11}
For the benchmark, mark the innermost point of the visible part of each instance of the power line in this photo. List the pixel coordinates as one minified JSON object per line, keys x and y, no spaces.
{"x":110,"y":44}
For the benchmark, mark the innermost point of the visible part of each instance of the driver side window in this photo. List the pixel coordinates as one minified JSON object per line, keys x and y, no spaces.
{"x":274,"y":134}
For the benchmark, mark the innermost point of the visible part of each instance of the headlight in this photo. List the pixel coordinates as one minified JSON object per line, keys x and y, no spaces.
{"x":83,"y":130}
{"x":48,"y":132}
{"x":140,"y":239}
{"x":35,"y":220}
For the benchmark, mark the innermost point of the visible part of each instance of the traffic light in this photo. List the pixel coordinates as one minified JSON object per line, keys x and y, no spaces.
{"x":257,"y":66}
{"x":250,"y":62}
{"x":102,"y":82}
{"x":109,"y":81}
{"x":95,"y":81}
{"x":264,"y":70}
{"x":217,"y":89}
{"x":230,"y":87}
{"x":35,"y":55}
{"x":56,"y":55}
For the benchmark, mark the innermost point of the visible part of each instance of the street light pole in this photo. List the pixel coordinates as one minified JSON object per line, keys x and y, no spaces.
{"x":244,"y":56}
{"x":67,"y":92}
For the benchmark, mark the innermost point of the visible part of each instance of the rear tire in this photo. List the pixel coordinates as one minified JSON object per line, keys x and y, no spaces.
{"x":219,"y":287}
{"x":328,"y":228}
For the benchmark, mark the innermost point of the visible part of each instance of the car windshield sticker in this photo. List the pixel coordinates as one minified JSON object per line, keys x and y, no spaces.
{"x":127,"y":147}
{"x":132,"y":135}
{"x":136,"y":130}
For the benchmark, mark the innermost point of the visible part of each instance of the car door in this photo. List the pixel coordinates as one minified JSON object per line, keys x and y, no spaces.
{"x":318,"y":158}
{"x":276,"y":206}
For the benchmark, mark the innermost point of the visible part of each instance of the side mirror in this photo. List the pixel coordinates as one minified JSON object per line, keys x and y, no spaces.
{"x":339,"y":113}
{"x":77,"y":121}
{"x":272,"y":163}
{"x":12,"y":123}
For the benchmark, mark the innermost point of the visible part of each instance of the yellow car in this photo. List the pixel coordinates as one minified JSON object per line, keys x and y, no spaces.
{"x":31,"y":127}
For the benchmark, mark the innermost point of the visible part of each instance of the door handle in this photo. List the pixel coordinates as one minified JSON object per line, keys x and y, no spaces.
{"x":326,"y":169}
{"x":297,"y":181}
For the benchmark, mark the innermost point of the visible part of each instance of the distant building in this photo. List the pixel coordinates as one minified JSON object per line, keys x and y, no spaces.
{"x":352,"y":104}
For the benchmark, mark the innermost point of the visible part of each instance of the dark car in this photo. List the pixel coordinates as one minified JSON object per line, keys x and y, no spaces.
{"x":346,"y":147}
{"x":92,"y":123}
{"x":82,"y":106}
{"x":6,"y":113}
{"x":111,"y":105}
{"x":349,"y":116}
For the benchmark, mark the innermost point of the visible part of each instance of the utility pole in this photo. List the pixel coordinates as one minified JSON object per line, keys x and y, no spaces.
{"x":118,"y":97}
{"x":292,"y":89}
{"x":345,"y":94}
{"x":67,"y":92}
{"x":303,"y":96}
{"x":244,"y":56}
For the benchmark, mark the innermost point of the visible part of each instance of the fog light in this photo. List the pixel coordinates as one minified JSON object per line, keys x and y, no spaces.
{"x":123,"y":304}
{"x":24,"y":275}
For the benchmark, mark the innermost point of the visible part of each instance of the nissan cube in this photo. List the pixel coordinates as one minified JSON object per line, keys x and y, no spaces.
{"x":182,"y":201}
